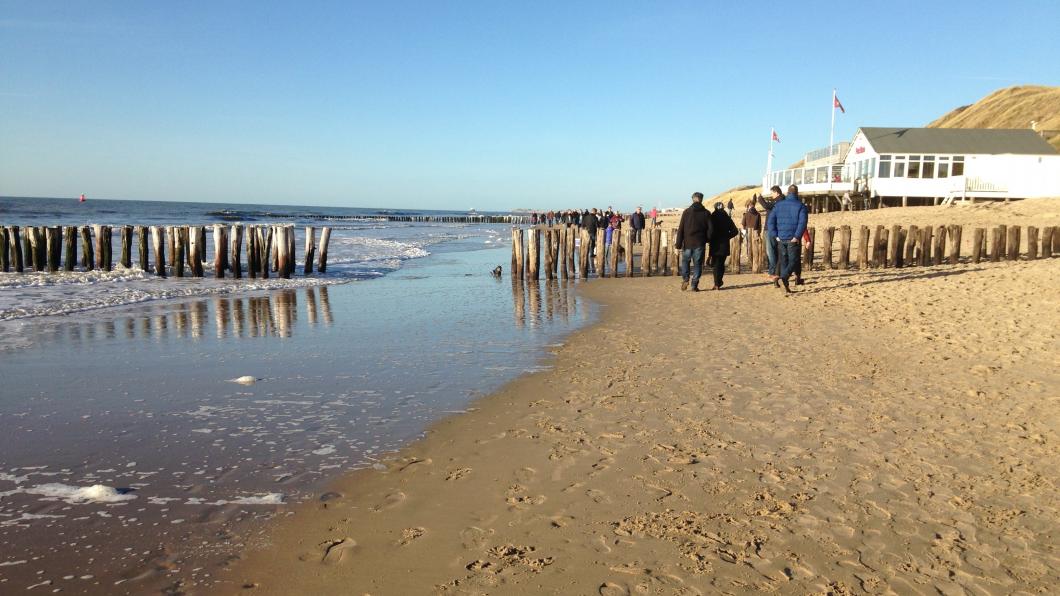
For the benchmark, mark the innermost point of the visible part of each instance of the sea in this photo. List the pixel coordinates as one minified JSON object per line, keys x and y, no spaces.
{"x":151,"y":428}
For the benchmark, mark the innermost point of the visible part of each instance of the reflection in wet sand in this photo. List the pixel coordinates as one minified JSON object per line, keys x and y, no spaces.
{"x":270,"y":315}
{"x":559,"y":298}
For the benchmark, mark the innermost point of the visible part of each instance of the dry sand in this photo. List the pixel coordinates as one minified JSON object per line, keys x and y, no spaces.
{"x":886,"y":431}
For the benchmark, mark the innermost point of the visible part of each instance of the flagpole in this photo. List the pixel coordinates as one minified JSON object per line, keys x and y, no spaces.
{"x":769,"y":158}
{"x":831,"y":133}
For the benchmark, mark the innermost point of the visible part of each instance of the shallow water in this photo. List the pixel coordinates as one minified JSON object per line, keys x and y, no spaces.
{"x":130,"y":461}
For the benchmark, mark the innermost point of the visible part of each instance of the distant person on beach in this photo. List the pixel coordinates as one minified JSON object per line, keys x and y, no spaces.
{"x":846,"y":202}
{"x":752,"y":222}
{"x":722,"y":230}
{"x":533,"y":218}
{"x":636,"y":224}
{"x":692,"y":235}
{"x":591,"y":224}
{"x":771,"y":243}
{"x":654,"y":217}
{"x":609,"y":234}
{"x":787,"y":223}
{"x":731,"y":208}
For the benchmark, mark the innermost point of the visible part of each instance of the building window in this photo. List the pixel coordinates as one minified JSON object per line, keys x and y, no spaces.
{"x":944,"y":170}
{"x":872,"y":167}
{"x":822,"y":174}
{"x":899,"y":170}
{"x":885,"y":158}
{"x":914,"y":170}
{"x":958,"y":165}
{"x":928,"y":168}
{"x":885,"y":168}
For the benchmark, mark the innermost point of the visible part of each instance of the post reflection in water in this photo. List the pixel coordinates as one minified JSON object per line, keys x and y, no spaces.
{"x":559,"y":298}
{"x":270,"y":315}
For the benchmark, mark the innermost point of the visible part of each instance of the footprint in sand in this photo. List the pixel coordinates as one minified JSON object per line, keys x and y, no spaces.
{"x":457,"y":474}
{"x":335,"y":550}
{"x":612,"y":589}
{"x":392,"y":500}
{"x":410,"y":534}
{"x":525,"y":474}
{"x":598,"y":496}
{"x":474,"y":537}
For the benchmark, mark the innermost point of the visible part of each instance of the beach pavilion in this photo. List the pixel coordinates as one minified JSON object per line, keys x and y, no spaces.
{"x":925,"y":166}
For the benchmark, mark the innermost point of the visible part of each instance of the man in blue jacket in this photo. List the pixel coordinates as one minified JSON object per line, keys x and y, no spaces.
{"x":786,"y":224}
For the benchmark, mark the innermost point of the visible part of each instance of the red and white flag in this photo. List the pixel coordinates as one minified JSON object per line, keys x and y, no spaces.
{"x":836,"y":104}
{"x":775,"y":137}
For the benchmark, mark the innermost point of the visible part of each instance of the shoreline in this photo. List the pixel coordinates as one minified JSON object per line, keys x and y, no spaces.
{"x":630,"y":467}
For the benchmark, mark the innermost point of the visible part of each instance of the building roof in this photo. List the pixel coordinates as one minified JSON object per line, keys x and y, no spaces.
{"x":973,"y":141}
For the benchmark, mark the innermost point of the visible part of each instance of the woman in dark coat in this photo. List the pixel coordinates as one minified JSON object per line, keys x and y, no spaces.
{"x":722,"y":231}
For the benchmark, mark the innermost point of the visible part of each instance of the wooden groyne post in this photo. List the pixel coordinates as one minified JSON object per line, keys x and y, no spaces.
{"x":236,"y":241}
{"x":322,"y":262}
{"x":158,"y":243}
{"x":310,"y":249}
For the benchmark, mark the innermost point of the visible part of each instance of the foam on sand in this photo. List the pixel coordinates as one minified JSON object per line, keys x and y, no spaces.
{"x":77,"y":495}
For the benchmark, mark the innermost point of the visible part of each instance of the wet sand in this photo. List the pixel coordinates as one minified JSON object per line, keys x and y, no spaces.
{"x":885,"y":431}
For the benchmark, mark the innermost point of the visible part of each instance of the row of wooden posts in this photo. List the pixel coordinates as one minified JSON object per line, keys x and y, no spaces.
{"x":564,"y":251}
{"x":269,"y":247}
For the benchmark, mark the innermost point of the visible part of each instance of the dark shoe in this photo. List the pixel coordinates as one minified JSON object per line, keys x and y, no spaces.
{"x":716,"y":288}
{"x":695,"y":289}
{"x":786,"y":288}
{"x":799,"y":281}
{"x":684,"y":286}
{"x":776,"y":282}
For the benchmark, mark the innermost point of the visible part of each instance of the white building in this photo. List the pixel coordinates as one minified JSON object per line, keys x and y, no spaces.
{"x":921,"y":165}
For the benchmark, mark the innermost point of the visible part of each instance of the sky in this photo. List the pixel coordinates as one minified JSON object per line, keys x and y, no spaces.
{"x":486,"y":105}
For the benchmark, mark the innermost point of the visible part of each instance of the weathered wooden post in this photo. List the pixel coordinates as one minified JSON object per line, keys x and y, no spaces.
{"x":601,"y":252}
{"x":549,"y":274}
{"x":533,"y":253}
{"x":181,"y":238}
{"x":158,"y":243}
{"x":1049,"y":235}
{"x":54,"y":248}
{"x":925,"y":245}
{"x":517,"y":249}
{"x":28,"y":251}
{"x":202,"y":246}
{"x":584,"y":254}
{"x":826,"y":247}
{"x":995,"y":244}
{"x":322,"y":260}
{"x":274,"y":255}
{"x":283,"y":256}
{"x":844,"y":247}
{"x":1003,"y":242}
{"x":612,"y":257}
{"x":5,"y":263}
{"x":42,"y":247}
{"x":14,"y":244}
{"x":171,"y":243}
{"x":235,"y":241}
{"x":909,"y":238}
{"x":645,"y":256}
{"x":561,"y":235}
{"x":195,"y":249}
{"x":656,"y":242}
{"x":30,"y":247}
{"x":252,"y":252}
{"x":88,"y":258}
{"x":1013,"y":243}
{"x":141,"y":238}
{"x":956,"y":232}
{"x":977,"y":244}
{"x":675,"y":254}
{"x":310,"y":249}
{"x":1056,"y":241}
{"x":126,"y":247}
{"x":863,"y":248}
{"x":572,"y":252}
{"x":265,"y":244}
{"x":940,"y":245}
{"x":1032,"y":243}
{"x":903,"y":234}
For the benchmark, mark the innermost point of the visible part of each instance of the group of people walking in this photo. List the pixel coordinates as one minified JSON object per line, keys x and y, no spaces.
{"x":786,"y":220}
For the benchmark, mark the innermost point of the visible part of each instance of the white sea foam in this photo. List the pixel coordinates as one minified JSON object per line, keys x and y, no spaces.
{"x":266,"y":499}
{"x":77,"y":495}
{"x":324,"y":450}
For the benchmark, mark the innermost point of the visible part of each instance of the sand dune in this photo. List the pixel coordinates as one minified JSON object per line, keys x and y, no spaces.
{"x":880,"y":431}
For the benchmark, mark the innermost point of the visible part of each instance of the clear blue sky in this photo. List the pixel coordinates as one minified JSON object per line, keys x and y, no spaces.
{"x":492,"y":105}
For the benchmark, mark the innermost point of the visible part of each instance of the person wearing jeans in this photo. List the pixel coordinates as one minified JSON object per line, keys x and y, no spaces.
{"x":692,"y":235}
{"x":786,"y":224}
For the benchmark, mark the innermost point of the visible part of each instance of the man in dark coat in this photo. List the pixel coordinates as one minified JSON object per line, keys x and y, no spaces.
{"x":787,"y":222}
{"x":636,"y":224}
{"x":722,"y":230}
{"x":591,"y":223}
{"x":692,"y":236}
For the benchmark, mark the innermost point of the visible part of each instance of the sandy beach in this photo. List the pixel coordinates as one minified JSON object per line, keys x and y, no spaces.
{"x":888,"y":431}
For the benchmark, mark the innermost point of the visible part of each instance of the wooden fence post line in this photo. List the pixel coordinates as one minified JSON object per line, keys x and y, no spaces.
{"x":126,"y":246}
{"x":171,"y":243}
{"x":1032,"y":243}
{"x":894,"y":252}
{"x":627,"y":245}
{"x":265,"y":249}
{"x":616,"y":241}
{"x":955,"y":244}
{"x":656,"y":240}
{"x":158,"y":242}
{"x":1049,"y":235}
{"x":844,"y":247}
{"x":219,"y":252}
{"x":826,"y":247}
{"x":925,"y":254}
{"x":995,"y":244}
{"x":601,"y":251}
{"x":196,"y":248}
{"x":977,"y":244}
{"x":549,"y":261}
